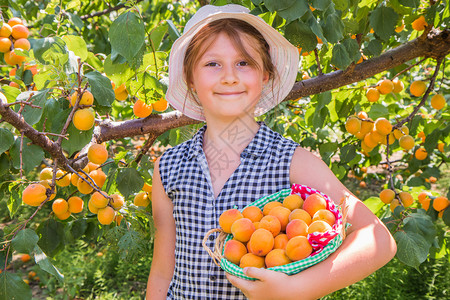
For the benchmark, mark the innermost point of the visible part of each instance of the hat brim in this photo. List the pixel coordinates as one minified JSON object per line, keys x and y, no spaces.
{"x":285,"y":58}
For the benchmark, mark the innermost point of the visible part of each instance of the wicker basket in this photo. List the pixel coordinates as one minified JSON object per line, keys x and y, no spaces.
{"x":323,"y":243}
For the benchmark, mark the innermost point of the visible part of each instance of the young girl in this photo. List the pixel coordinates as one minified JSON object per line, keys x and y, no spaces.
{"x":228,"y":67}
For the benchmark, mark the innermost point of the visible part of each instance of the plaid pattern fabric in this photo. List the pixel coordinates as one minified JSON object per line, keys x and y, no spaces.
{"x":264,"y":170}
{"x":323,"y":243}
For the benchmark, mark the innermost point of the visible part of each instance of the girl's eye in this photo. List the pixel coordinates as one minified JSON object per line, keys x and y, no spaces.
{"x":243,"y":63}
{"x":212,"y":64}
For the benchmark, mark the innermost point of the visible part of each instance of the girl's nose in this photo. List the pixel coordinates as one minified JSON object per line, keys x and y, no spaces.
{"x":229,"y":75}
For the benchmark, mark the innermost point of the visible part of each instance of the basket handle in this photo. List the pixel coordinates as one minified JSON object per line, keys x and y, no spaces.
{"x":216,"y":255}
{"x":344,"y":211}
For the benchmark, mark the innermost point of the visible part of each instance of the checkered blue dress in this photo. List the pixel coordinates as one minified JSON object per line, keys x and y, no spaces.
{"x":264,"y":169}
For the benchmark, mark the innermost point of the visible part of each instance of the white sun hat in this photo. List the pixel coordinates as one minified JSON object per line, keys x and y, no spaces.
{"x":285,"y":58}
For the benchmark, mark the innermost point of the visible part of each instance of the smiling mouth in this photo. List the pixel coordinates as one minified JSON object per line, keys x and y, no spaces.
{"x":230,"y":93}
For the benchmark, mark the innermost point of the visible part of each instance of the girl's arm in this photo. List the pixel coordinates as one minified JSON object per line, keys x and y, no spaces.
{"x":164,"y":244}
{"x":367,"y":246}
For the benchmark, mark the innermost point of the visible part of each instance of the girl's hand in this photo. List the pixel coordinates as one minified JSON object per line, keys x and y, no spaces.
{"x":270,"y":284}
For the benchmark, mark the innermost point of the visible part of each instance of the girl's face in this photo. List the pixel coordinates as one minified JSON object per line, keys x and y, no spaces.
{"x":226,"y":85}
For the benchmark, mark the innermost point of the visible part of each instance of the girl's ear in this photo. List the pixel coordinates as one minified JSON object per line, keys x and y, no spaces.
{"x":266,"y":77}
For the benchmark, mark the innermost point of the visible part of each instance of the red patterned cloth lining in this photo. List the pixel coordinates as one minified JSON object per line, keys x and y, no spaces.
{"x":319,"y":240}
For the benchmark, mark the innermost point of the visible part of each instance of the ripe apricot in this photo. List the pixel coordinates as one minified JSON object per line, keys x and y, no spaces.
{"x":92,"y":208}
{"x":319,"y":226}
{"x":142,"y":199}
{"x":426,"y":203}
{"x":366,"y":127}
{"x":293,"y":201}
{"x":438,"y":102}
{"x":387,"y":195}
{"x":420,"y":153}
{"x":394,"y":204}
{"x":282,"y":213}
{"x":227,"y":219}
{"x":270,"y":223}
{"x":417,"y":88}
{"x":97,"y":154}
{"x":99,"y":177}
{"x":98,"y":200}
{"x":25,"y":258}
{"x":440,"y":203}
{"x":22,"y":44}
{"x":160,"y":105}
{"x":419,"y":24}
{"x":122,"y":96}
{"x":117,"y":201}
{"x":76,"y":204}
{"x":398,"y":133}
{"x":383,"y":126}
{"x":296,"y":227}
{"x":324,"y":215}
{"x":242,"y":229}
{"x":353,"y":125}
{"x":84,"y":119}
{"x":391,"y":139}
{"x":141,"y":109}
{"x":406,"y":198}
{"x":253,"y":213}
{"x":376,"y":137}
{"x":251,"y":260}
{"x":63,"y":216}
{"x":398,"y":85}
{"x":12,"y":58}
{"x":118,"y":219}
{"x":64,"y":181}
{"x":5,"y":44}
{"x":6,"y":30}
{"x":34,"y":194}
{"x":60,"y":206}
{"x":313,"y":203}
{"x":277,"y":257}
{"x":280,"y":241}
{"x":84,"y":187}
{"x":372,"y":94}
{"x":261,"y":242}
{"x":406,"y":142}
{"x":362,"y":115}
{"x":86,"y":98}
{"x":147,"y":188}
{"x":385,"y":86}
{"x":46,"y":173}
{"x":300,"y":214}
{"x":268,"y":207}
{"x":298,"y":248}
{"x":106,"y":215}
{"x":46,"y":184}
{"x":234,"y":250}
{"x":441,"y":146}
{"x":14,"y":21}
{"x":19,"y":31}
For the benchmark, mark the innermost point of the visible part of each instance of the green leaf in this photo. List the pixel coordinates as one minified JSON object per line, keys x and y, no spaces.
{"x":77,"y":45}
{"x":130,"y":244}
{"x":383,"y":20}
{"x":25,"y":241}
{"x":51,"y":51}
{"x":277,"y":5}
{"x":101,"y":88}
{"x":30,"y":114}
{"x":333,"y":28}
{"x":46,"y":264}
{"x":10,"y":93}
{"x":410,"y":3}
{"x":127,"y":34}
{"x":77,"y":139}
{"x":51,"y":235}
{"x":348,"y":152}
{"x":145,"y":86}
{"x":6,"y":139}
{"x":14,"y":199}
{"x":295,"y":11}
{"x":341,"y":58}
{"x":324,"y":4}
{"x":129,"y":181}
{"x":12,"y":287}
{"x":374,"y":204}
{"x":173,"y":31}
{"x":77,"y":228}
{"x":119,"y":73}
{"x":446,"y":216}
{"x":432,"y":140}
{"x":32,"y":155}
{"x":374,"y":48}
{"x":352,"y":47}
{"x":157,"y":35}
{"x":300,"y":35}
{"x":422,"y":224}
{"x":76,"y":20}
{"x":378,"y":110}
{"x":412,"y":248}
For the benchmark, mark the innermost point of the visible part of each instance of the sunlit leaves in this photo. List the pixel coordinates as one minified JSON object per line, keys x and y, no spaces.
{"x":383,"y":21}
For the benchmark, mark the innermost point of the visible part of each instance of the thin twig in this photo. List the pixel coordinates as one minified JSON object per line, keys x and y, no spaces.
{"x":23,"y":103}
{"x":55,"y":134}
{"x":408,"y":68}
{"x":87,"y":181}
{"x":21,"y":154}
{"x":319,"y":67}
